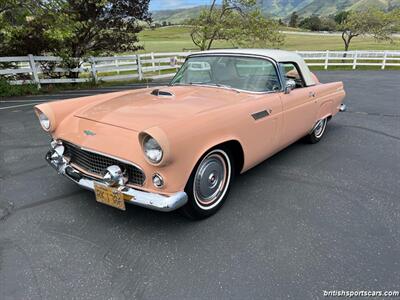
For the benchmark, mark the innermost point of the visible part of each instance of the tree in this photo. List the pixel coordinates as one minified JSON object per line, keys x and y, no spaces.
{"x":29,"y":36}
{"x":340,"y":17}
{"x":312,"y":23}
{"x":371,"y":21}
{"x":328,"y":24}
{"x":77,"y":28}
{"x":395,"y":17}
{"x":237,"y":21}
{"x":294,"y":18}
{"x":6,"y":5}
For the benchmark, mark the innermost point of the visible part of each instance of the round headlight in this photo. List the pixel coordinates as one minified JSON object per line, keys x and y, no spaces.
{"x":152,"y":150}
{"x":44,"y":121}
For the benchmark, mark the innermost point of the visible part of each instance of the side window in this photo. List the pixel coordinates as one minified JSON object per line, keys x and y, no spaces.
{"x":292,"y":71}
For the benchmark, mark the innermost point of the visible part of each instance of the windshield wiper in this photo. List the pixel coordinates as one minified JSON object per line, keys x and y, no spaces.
{"x":178,"y":83}
{"x":225,"y":86}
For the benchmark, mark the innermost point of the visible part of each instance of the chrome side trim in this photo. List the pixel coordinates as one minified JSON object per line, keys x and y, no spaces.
{"x":145,"y":199}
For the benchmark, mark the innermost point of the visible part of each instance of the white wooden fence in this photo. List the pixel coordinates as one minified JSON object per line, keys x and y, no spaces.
{"x":32,"y":69}
{"x":354,"y":59}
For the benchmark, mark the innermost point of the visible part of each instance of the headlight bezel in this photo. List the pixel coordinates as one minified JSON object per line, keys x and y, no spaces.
{"x":146,"y":141}
{"x":43,"y":118}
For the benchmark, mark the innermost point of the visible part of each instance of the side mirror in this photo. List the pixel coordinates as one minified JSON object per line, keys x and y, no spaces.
{"x":290,"y":85}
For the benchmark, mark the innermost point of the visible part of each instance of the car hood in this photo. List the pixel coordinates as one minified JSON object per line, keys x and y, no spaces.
{"x":141,"y":109}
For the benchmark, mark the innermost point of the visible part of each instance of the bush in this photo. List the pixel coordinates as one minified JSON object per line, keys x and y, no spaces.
{"x":9,"y":90}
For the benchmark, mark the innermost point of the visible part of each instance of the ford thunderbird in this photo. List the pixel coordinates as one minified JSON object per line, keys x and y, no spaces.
{"x":179,"y":146}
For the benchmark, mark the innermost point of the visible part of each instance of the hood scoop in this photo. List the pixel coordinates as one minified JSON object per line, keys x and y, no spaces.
{"x":158,"y":92}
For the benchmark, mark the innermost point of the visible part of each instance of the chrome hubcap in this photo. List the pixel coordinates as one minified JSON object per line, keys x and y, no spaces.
{"x":211,"y":178}
{"x":320,"y":128}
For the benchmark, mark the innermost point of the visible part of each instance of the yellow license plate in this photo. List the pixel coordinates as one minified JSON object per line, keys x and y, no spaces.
{"x":110,"y":196}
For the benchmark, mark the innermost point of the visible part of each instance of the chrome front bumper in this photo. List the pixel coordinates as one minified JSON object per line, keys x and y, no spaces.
{"x":145,"y":199}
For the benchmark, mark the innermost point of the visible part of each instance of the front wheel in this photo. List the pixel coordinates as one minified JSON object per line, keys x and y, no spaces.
{"x":318,"y":132}
{"x":209,"y":184}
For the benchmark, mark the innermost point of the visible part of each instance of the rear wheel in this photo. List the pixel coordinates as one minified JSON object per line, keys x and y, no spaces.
{"x":318,"y":132}
{"x":209,"y":184}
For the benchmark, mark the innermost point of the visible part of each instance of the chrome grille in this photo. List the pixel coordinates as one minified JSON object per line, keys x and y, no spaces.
{"x":97,"y":164}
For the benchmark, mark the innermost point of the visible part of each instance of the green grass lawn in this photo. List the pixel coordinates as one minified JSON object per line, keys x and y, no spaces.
{"x":170,"y":39}
{"x":177,"y":38}
{"x":309,"y":42}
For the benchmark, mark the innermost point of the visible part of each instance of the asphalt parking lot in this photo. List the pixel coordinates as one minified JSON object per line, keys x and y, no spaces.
{"x":311,"y":218}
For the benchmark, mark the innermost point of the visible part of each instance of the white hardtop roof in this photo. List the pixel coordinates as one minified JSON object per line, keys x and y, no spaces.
{"x":277,"y":55}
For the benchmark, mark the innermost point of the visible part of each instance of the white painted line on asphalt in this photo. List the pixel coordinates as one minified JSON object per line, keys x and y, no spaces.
{"x":64,"y":94}
{"x":60,"y":95}
{"x":34,"y":100}
{"x":15,"y":106}
{"x":45,"y":98}
{"x":72,"y":94}
{"x":17,"y":101}
{"x":90,"y":91}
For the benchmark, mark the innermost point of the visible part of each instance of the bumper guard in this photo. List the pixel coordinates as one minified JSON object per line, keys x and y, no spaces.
{"x":145,"y":199}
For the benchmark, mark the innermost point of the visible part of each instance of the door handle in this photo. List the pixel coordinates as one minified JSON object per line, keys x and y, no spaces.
{"x":311,"y":94}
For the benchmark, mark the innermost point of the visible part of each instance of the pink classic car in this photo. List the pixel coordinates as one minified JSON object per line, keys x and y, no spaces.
{"x":179,"y":146}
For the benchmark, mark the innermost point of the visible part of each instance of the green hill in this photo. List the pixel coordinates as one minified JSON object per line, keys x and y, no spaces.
{"x":176,"y":16}
{"x":324,"y":7}
{"x":382,"y":4}
{"x":281,"y":8}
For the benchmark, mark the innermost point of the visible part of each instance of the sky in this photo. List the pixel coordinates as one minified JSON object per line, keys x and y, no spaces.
{"x":174,"y":4}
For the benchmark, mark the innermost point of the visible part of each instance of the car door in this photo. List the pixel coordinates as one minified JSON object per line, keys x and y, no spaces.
{"x":300,"y":106}
{"x":265,"y":115}
{"x":262,"y":108}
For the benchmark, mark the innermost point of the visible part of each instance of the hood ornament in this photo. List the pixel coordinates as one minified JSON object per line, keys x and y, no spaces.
{"x":89,"y":132}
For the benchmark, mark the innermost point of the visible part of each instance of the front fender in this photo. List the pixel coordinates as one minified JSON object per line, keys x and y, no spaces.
{"x":189,"y":140}
{"x":184,"y":157}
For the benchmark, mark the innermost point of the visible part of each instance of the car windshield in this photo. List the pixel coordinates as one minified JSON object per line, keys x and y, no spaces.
{"x":236,"y":72}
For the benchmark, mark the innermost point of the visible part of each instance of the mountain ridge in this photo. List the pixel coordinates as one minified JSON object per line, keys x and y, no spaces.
{"x":283,"y":8}
{"x":325,"y":8}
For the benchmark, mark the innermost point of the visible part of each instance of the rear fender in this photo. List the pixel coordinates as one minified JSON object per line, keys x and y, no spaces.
{"x":325,"y":110}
